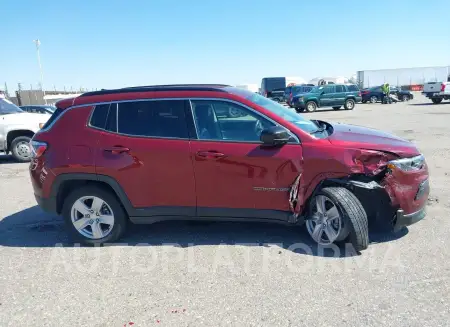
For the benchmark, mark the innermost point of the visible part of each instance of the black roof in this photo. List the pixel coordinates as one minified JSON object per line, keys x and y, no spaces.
{"x":155,"y":88}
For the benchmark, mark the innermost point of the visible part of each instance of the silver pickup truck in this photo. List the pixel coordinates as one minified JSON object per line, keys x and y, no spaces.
{"x":17,"y":128}
{"x":437,"y":91}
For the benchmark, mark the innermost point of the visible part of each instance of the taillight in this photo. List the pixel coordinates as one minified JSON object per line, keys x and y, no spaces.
{"x":38,"y":148}
{"x":442,"y":87}
{"x":290,"y":97}
{"x":359,"y":94}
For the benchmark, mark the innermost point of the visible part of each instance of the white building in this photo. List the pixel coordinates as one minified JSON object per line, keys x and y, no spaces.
{"x":329,"y":80}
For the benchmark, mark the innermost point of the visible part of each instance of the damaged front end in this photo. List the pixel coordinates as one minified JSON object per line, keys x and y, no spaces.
{"x":392,"y":190}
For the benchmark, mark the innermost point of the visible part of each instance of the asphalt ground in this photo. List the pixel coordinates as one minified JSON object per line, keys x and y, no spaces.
{"x":234,"y":274}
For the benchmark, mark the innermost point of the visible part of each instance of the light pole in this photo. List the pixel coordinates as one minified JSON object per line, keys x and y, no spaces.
{"x":38,"y":44}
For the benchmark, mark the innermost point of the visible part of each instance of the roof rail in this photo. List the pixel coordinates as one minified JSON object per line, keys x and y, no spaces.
{"x":158,"y":88}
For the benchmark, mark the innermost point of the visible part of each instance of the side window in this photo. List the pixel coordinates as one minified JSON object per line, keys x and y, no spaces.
{"x":99,"y":115}
{"x":227,"y":121}
{"x":352,"y":88}
{"x":340,"y":88}
{"x":161,"y":118}
{"x":328,"y":89}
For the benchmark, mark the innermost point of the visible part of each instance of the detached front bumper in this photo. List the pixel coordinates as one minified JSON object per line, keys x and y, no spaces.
{"x":403,"y":220}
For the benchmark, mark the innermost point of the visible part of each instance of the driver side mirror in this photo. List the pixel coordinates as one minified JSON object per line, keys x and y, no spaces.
{"x":275,"y":136}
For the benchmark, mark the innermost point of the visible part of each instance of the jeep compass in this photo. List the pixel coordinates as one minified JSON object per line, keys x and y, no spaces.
{"x":157,"y":153}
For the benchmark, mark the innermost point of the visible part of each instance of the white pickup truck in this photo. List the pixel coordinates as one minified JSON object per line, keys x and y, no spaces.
{"x":17,"y":128}
{"x":437,"y":91}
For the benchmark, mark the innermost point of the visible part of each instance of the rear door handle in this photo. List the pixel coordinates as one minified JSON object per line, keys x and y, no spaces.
{"x":117,"y":149}
{"x":210,"y":154}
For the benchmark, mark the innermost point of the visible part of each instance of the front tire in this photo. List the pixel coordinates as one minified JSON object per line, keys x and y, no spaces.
{"x":436,"y":100}
{"x":21,"y":149}
{"x":94,"y":216}
{"x":405,"y":98}
{"x":349,"y":104}
{"x":373,"y":99}
{"x":335,"y":215}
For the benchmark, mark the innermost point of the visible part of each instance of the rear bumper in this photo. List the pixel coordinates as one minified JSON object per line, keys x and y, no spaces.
{"x":403,"y":220}
{"x":46,"y":204}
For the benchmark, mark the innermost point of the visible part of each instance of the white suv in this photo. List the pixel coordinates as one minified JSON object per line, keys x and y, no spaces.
{"x":17,"y":128}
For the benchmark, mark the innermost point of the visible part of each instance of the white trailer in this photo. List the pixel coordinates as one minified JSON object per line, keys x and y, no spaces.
{"x":402,"y":76}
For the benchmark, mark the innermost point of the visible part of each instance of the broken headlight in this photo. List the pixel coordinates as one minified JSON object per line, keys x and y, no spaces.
{"x":407,"y":164}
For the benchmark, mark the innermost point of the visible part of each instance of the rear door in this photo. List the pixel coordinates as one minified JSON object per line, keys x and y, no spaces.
{"x":145,"y":147}
{"x":235,"y":176}
{"x":339,"y":95}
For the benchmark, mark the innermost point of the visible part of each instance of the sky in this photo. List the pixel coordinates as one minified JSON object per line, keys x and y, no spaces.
{"x":108,"y":44}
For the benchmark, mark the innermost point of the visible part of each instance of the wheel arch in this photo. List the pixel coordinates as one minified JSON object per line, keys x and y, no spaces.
{"x":65,"y":183}
{"x":13,"y":134}
{"x":368,"y":191}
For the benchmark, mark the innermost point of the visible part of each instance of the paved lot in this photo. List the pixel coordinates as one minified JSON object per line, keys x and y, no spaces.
{"x":227,"y":274}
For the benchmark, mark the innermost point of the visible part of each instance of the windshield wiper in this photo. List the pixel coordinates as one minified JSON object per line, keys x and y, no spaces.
{"x":321,"y":127}
{"x":319,"y":130}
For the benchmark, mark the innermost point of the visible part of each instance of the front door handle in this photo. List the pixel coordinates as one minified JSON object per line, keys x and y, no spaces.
{"x":210,"y":154}
{"x":117,"y":149}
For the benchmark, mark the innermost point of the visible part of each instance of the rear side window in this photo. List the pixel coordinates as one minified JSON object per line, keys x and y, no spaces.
{"x":55,"y":115}
{"x":307,"y":89}
{"x":164,"y":118}
{"x":340,"y":88}
{"x":352,"y":88}
{"x":99,"y":115}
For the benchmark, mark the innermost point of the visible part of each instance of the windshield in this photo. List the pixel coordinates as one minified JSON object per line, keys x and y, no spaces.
{"x":7,"y":107}
{"x":278,"y":109}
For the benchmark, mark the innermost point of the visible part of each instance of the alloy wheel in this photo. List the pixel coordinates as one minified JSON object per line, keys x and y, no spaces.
{"x":92,"y":217}
{"x":325,"y":225}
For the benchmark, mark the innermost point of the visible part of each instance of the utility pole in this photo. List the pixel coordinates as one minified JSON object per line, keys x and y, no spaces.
{"x":38,"y":44}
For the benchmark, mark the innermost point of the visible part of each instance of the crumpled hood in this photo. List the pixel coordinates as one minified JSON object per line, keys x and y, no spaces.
{"x":372,"y":139}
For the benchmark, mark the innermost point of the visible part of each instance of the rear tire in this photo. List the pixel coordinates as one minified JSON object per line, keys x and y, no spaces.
{"x":337,"y":108}
{"x":353,"y":217}
{"x":373,"y":99}
{"x":21,"y":149}
{"x":349,"y":104}
{"x":405,"y":98}
{"x":436,"y":100}
{"x":311,"y":106}
{"x":119,"y":216}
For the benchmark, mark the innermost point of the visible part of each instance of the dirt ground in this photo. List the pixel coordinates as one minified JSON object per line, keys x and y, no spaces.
{"x":234,"y":274}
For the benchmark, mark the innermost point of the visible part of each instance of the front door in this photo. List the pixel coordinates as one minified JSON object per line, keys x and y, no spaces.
{"x":235,"y":175}
{"x":327,"y":97}
{"x":145,"y":147}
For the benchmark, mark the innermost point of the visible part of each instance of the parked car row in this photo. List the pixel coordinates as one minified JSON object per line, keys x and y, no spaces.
{"x":34,"y":109}
{"x":375,"y":94}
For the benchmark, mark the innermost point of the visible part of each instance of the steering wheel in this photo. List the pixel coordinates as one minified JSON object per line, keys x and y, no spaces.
{"x":258,"y":128}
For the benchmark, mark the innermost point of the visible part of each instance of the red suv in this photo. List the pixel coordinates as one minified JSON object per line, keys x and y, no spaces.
{"x":155,"y":153}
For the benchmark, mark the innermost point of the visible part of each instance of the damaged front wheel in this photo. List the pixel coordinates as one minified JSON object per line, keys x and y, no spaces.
{"x":336,"y":214}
